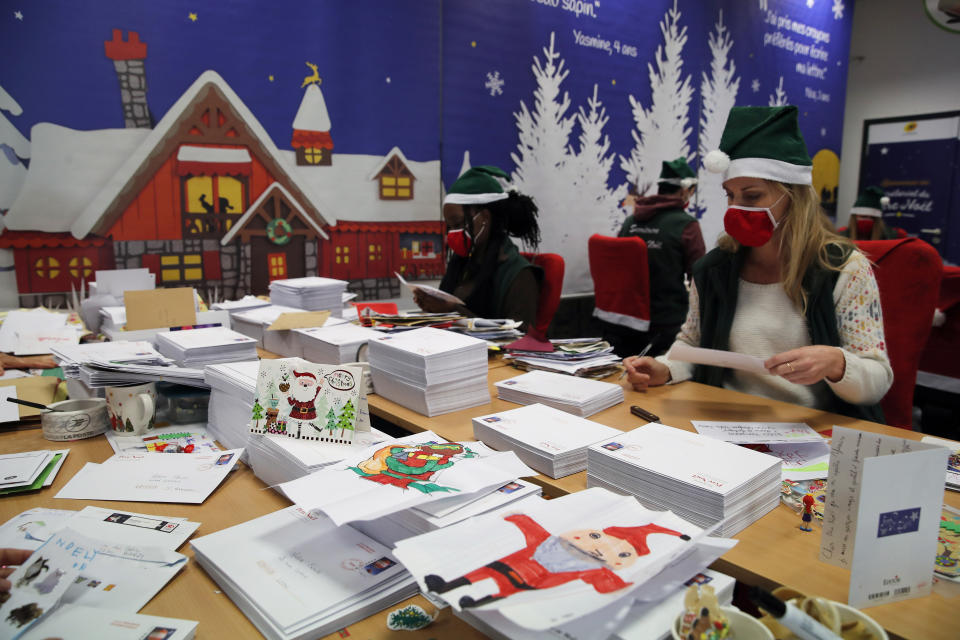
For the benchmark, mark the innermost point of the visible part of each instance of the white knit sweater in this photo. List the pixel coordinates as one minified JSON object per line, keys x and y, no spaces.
{"x":766,"y":323}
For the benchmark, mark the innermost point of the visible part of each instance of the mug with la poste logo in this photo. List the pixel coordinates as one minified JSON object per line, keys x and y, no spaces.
{"x":132,"y":409}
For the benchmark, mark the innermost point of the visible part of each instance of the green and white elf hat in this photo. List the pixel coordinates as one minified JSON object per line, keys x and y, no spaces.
{"x":870,"y":202}
{"x":677,"y":172}
{"x":762,"y":142}
{"x":480,"y":185}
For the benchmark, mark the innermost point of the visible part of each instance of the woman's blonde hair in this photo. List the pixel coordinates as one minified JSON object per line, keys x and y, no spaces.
{"x":805,"y":235}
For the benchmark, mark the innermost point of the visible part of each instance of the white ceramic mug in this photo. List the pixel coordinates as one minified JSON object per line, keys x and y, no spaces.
{"x":132,"y":409}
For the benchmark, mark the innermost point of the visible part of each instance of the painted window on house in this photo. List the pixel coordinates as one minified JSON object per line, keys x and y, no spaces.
{"x":212,"y":204}
{"x":181,"y":268}
{"x":47,"y":267}
{"x":342,"y":254}
{"x":81,"y":267}
{"x":277,"y":263}
{"x":313,"y":155}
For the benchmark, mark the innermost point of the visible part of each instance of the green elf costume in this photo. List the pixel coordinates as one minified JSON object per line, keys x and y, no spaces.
{"x":866,"y":217}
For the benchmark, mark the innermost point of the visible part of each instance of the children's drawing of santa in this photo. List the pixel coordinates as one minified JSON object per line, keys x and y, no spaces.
{"x":547,"y":560}
{"x":303,"y":396}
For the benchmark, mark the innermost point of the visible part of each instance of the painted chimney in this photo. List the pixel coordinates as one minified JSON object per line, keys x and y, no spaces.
{"x":128,"y":56}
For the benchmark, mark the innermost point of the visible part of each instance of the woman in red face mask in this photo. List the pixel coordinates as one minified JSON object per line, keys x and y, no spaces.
{"x":485,"y":268}
{"x":781,"y":284}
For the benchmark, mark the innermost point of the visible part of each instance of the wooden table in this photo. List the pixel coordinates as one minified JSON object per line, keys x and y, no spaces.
{"x":772,"y":551}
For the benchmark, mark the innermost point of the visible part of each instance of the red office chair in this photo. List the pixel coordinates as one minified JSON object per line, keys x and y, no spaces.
{"x":621,"y":281}
{"x":908,"y":273}
{"x":550,"y":289}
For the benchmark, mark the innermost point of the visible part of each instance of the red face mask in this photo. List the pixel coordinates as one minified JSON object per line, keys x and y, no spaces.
{"x":751,"y":226}
{"x":864,"y":227}
{"x":460,"y":242}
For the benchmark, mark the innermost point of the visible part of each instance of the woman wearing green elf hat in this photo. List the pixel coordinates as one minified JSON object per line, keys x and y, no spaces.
{"x":781,"y":285}
{"x":485,"y":269}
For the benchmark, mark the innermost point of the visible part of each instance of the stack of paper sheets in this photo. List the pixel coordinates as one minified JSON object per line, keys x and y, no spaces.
{"x":574,"y":395}
{"x":311,"y":294}
{"x":101,"y":373}
{"x":109,"y":624}
{"x":300,"y":577}
{"x":212,"y":345}
{"x":70,"y":357}
{"x":243,"y":304}
{"x":277,"y":459}
{"x":253,"y":322}
{"x":702,"y":480}
{"x":16,"y":324}
{"x":333,"y":344}
{"x":29,"y":470}
{"x":233,"y":387}
{"x":804,"y":452}
{"x":551,"y":441}
{"x":430,"y":371}
{"x":584,"y":357}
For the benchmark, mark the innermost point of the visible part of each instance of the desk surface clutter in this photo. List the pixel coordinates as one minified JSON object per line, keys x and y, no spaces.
{"x":770,"y":552}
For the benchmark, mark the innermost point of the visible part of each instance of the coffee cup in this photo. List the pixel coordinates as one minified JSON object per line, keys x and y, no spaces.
{"x":132,"y":410}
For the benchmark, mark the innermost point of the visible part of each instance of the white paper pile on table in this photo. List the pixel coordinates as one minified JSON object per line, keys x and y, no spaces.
{"x":702,"y":480}
{"x":429,"y":370}
{"x":551,"y":441}
{"x":333,"y":344}
{"x":109,"y":624}
{"x":310,"y":294}
{"x":32,"y":320}
{"x":804,"y":452}
{"x":233,"y":387}
{"x":115,"y":319}
{"x":103,"y":373}
{"x":70,"y":357}
{"x":297,"y":576}
{"x":243,"y":304}
{"x":212,"y":345}
{"x":253,"y":322}
{"x":29,"y":470}
{"x":578,"y":396}
{"x":583,"y":357}
{"x":277,"y":459}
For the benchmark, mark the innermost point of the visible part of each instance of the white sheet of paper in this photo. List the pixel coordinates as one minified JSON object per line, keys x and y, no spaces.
{"x":953,"y":464}
{"x":802,"y":460}
{"x":131,"y":528}
{"x":897,"y":524}
{"x":9,"y":411}
{"x":145,"y":477}
{"x":18,"y":469}
{"x":109,"y":624}
{"x":32,"y":320}
{"x":116,"y":281}
{"x":430,"y":291}
{"x":757,"y":432}
{"x":717,"y":358}
{"x":848,"y":449}
{"x":16,"y":533}
{"x":40,"y":341}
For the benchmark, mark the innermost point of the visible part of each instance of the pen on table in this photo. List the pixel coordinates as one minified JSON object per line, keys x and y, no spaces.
{"x":643,"y":413}
{"x":639,"y":355}
{"x":804,"y":626}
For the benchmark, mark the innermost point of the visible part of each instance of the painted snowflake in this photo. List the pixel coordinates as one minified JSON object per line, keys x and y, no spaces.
{"x":494,"y":83}
{"x":755,"y":85}
{"x":837,"y":9}
{"x":763,"y":5}
{"x":810,"y":4}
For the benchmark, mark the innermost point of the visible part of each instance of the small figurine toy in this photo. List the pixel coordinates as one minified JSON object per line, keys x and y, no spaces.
{"x":806,"y":514}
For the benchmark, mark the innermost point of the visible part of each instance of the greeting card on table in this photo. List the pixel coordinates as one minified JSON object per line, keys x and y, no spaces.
{"x":555,"y":561}
{"x":953,"y":463}
{"x":310,"y":401}
{"x":881,"y":514}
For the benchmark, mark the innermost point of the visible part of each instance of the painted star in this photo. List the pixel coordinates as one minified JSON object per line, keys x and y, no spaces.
{"x":823,"y":131}
{"x":18,"y":15}
{"x":755,"y":85}
{"x":270,"y":77}
{"x":192,"y":16}
{"x":389,"y":80}
{"x":810,"y":4}
{"x":883,"y":151}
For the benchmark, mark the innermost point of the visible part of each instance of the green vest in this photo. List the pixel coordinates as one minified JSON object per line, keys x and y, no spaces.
{"x":507,"y":271}
{"x":662,"y":233}
{"x":717,"y":276}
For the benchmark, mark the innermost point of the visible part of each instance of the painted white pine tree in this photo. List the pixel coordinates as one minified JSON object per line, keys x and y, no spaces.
{"x":779,"y":96}
{"x":14,"y":148}
{"x":718,"y":93}
{"x":661,"y":131}
{"x":543,"y":169}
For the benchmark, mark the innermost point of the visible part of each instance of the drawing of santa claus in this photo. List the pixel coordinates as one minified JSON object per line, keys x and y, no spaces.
{"x":303,"y":395}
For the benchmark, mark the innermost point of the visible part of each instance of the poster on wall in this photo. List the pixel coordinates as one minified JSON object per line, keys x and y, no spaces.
{"x":222,"y":146}
{"x":916,"y":161}
{"x":580,"y":99}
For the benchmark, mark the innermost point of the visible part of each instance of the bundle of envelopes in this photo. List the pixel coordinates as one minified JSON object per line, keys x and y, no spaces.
{"x":299,"y":576}
{"x":29,"y":470}
{"x":403,"y":320}
{"x":429,"y":370}
{"x":233,"y":387}
{"x":584,"y":357}
{"x":578,"y":396}
{"x":702,"y":480}
{"x":245,"y":303}
{"x":71,"y":357}
{"x":333,"y":344}
{"x":551,"y":441}
{"x":253,"y":322}
{"x":311,"y":294}
{"x":212,"y":345}
{"x":492,"y":330}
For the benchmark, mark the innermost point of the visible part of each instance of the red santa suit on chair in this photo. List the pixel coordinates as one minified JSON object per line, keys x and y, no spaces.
{"x":303,"y":396}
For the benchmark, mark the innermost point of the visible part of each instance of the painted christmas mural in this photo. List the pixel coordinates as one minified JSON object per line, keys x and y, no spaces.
{"x":316,"y":170}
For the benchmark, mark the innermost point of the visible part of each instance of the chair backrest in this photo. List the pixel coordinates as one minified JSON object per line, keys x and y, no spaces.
{"x":550,"y":289}
{"x":908,"y":273}
{"x":621,"y":280}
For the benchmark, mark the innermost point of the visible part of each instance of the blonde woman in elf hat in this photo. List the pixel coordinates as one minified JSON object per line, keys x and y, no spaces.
{"x":866,"y":217}
{"x":485,"y":269}
{"x":674,"y":243}
{"x":781,"y":285}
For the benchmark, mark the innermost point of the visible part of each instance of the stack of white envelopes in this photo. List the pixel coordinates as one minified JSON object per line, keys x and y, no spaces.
{"x":29,"y":470}
{"x":430,"y":371}
{"x":310,"y":294}
{"x":297,"y":576}
{"x":71,"y":357}
{"x":211,"y":345}
{"x":702,"y":480}
{"x":579,"y":396}
{"x":333,"y":344}
{"x":551,"y":441}
{"x":233,"y":387}
{"x":276,"y":459}
{"x":254,"y":322}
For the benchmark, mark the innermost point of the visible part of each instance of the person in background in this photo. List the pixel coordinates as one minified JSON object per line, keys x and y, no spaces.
{"x":866,"y":217}
{"x":674,"y":242}
{"x":9,"y":361}
{"x":781,"y":285}
{"x":485,"y":269}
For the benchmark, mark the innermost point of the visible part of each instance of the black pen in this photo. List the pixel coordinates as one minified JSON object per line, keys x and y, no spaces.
{"x":639,"y":355}
{"x":643,"y":413}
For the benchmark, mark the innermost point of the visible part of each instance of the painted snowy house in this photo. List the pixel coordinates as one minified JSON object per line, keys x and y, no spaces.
{"x":311,"y":128}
